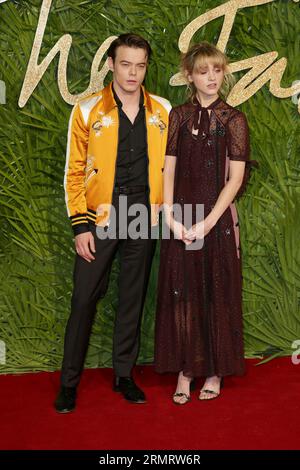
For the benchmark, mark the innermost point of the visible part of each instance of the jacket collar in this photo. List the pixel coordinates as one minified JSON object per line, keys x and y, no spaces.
{"x":109,"y":101}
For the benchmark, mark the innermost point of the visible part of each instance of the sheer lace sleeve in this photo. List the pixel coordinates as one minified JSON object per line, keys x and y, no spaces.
{"x":238,"y":144}
{"x":238,"y":138}
{"x":173,"y":133}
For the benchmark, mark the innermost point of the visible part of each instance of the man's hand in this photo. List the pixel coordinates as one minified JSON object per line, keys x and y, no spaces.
{"x":85,"y":245}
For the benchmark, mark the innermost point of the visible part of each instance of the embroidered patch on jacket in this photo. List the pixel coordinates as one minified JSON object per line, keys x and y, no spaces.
{"x":104,"y":122}
{"x":97,"y":126}
{"x":156,"y":120}
{"x":90,"y":171}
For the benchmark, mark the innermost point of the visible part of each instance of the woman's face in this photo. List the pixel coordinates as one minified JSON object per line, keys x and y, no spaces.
{"x":207,"y":78}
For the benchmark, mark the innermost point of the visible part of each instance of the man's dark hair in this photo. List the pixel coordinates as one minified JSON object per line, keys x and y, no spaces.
{"x":129,"y":40}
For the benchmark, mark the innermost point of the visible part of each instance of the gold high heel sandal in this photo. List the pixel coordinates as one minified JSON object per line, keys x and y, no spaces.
{"x":185,"y":395}
{"x":212,"y":393}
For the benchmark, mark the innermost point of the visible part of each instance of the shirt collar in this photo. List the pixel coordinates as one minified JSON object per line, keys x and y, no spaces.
{"x":110,"y":101}
{"x":119,"y":102}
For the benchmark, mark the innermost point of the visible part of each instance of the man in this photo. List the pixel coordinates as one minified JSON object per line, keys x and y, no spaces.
{"x":115,"y":154}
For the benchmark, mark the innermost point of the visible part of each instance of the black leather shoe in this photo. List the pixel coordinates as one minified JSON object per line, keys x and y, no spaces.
{"x":130,"y":391}
{"x":66,"y":400}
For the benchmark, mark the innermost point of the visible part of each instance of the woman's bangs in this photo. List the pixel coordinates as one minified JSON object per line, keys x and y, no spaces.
{"x":202,"y":62}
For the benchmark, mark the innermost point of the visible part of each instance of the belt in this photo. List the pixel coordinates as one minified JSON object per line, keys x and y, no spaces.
{"x":130,"y":189}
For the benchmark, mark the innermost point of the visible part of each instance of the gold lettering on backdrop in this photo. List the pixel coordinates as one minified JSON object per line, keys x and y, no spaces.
{"x":36,"y":71}
{"x":247,"y":86}
{"x":261,"y":68}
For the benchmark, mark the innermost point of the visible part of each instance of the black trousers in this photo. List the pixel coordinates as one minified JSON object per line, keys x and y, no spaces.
{"x":90,"y":284}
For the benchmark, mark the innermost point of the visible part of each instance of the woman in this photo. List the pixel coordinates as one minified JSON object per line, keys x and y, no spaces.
{"x":199,"y":309}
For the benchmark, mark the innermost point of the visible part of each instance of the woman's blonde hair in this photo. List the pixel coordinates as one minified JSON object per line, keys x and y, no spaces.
{"x":197,"y":56}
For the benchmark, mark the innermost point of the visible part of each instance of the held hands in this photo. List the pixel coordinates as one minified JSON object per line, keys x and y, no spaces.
{"x":85,"y":246}
{"x":178,"y":229}
{"x":197,"y":231}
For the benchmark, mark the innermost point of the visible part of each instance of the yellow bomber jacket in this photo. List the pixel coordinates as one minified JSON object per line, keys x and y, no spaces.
{"x":92,"y":154}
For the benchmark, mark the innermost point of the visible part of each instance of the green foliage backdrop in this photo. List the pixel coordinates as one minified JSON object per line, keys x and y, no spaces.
{"x":36,"y":247}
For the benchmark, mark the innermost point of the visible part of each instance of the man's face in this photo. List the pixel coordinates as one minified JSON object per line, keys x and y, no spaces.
{"x":129,"y":68}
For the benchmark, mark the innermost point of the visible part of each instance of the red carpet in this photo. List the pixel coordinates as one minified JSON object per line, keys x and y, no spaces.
{"x":258,"y":411}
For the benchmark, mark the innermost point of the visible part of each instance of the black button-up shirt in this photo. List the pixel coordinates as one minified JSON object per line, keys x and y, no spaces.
{"x":132,"y":158}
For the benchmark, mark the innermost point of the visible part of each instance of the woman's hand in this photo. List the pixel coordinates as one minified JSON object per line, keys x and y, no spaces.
{"x":198,"y":231}
{"x":179,"y":230}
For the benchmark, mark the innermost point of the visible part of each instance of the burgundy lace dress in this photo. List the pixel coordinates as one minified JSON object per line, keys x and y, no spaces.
{"x":199,"y":305}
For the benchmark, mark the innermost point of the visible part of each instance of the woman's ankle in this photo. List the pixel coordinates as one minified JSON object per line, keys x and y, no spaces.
{"x":185,"y":378}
